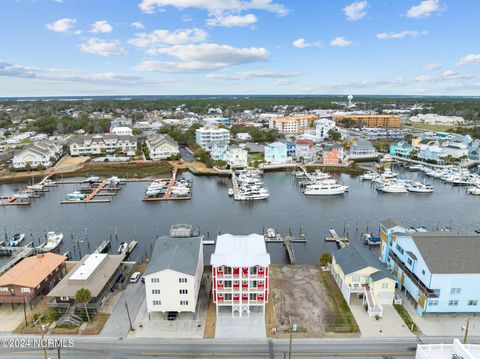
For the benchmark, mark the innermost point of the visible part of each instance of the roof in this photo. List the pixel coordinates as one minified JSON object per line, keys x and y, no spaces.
{"x":363,"y":143}
{"x":240,"y":251}
{"x":447,"y":253}
{"x":177,"y":254}
{"x":101,"y":137}
{"x":351,"y":260}
{"x":388,"y":223}
{"x":31,"y":271}
{"x":94,"y":282}
{"x":161,"y":139}
{"x":304,"y":142}
{"x":295,"y":118}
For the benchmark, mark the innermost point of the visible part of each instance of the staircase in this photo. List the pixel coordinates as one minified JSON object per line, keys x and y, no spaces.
{"x":70,"y":318}
{"x":373,"y":308}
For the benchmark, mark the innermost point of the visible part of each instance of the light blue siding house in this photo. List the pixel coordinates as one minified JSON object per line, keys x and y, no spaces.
{"x":276,"y":153}
{"x":401,"y":149}
{"x":439,"y":270}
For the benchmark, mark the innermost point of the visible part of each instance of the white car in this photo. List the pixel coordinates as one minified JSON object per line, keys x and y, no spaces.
{"x":135,"y":277}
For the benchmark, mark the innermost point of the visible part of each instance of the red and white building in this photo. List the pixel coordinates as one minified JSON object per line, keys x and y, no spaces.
{"x":240,"y":267}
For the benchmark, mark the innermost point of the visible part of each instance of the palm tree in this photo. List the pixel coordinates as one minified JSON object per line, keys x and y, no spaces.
{"x":325,"y":258}
{"x":83,"y":296}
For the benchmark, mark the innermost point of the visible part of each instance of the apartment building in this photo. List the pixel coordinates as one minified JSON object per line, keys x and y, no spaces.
{"x":208,"y":137}
{"x":96,"y":144}
{"x":370,"y":120}
{"x":161,"y":147}
{"x":292,"y":124}
{"x":41,"y":153}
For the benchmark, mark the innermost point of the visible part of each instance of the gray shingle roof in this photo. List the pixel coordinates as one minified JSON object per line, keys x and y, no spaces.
{"x":445,"y":252}
{"x":178,"y":254}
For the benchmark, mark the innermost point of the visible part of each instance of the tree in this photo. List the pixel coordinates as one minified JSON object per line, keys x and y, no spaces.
{"x":83,"y":296}
{"x":325,"y":258}
{"x":334,"y":135}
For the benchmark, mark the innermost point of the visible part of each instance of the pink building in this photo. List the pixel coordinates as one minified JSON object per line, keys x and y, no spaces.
{"x":240,"y":270}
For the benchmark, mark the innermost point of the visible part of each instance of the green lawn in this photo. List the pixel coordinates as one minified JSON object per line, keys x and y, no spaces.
{"x":406,"y":318}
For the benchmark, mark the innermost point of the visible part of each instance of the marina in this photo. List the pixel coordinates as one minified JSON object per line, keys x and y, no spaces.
{"x":166,"y":189}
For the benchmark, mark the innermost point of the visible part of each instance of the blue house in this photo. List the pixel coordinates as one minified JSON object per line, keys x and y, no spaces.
{"x":401,"y":149}
{"x":276,"y":153}
{"x":431,"y":152}
{"x":439,"y":270}
{"x":291,"y":148}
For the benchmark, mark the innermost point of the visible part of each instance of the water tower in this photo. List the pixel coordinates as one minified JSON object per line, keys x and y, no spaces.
{"x":350,"y":98}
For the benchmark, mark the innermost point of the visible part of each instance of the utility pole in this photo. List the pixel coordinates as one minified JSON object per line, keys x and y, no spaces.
{"x":129,"y":320}
{"x":58,"y":352}
{"x":25,"y":310}
{"x":291,"y":336}
{"x":465,"y":338}
{"x":42,"y":328}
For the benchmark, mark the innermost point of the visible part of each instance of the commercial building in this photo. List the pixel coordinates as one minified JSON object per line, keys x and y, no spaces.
{"x":208,"y":137}
{"x":370,"y":120}
{"x":434,"y":119}
{"x":240,"y":274}
{"x":292,"y":124}
{"x":96,"y":144}
{"x":356,"y":276}
{"x":173,"y":276}
{"x":440,"y":271}
{"x":161,"y":147}
{"x":31,"y":277}
{"x":96,"y":272}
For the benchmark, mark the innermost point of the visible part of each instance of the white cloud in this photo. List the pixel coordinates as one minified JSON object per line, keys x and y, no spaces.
{"x":216,"y":6}
{"x":102,"y":48}
{"x":469,"y":59}
{"x":301,"y":43}
{"x":340,"y":41}
{"x":401,"y":35}
{"x":101,"y":26}
{"x":161,"y":37}
{"x":137,"y":25}
{"x":245,"y":75}
{"x":356,"y":10}
{"x":203,"y":57}
{"x":59,"y":1}
{"x":232,"y":20}
{"x":62,"y":25}
{"x":431,"y":67}
{"x":424,"y":9}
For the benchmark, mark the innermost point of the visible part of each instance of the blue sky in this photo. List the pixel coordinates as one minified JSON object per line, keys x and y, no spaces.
{"x":92,"y":47}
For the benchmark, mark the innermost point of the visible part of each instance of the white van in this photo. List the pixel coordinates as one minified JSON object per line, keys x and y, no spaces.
{"x":135,"y":276}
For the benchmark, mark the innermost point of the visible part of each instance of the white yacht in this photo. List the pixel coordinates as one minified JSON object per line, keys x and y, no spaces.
{"x":474,"y":190}
{"x":370,"y":175}
{"x":392,"y":187}
{"x":415,"y":168}
{"x":91,"y":179}
{"x":53,"y":241}
{"x":325,"y":189}
{"x":419,"y":187}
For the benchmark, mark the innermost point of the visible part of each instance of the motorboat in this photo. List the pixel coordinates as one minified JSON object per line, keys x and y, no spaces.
{"x":16,"y":239}
{"x":271,"y":233}
{"x":180,"y":191}
{"x":419,"y":187}
{"x":388,"y":174}
{"x":35,"y":187}
{"x":91,"y":179}
{"x":474,"y":190}
{"x":230,"y":192}
{"x":253,"y":196}
{"x":370,"y":239}
{"x":370,"y":175}
{"x":325,"y":189}
{"x":123,"y":248}
{"x":52,"y":243}
{"x":386,"y":158}
{"x":152,"y":192}
{"x":392,"y":187}
{"x":76,"y":196}
{"x":21,"y":195}
{"x":415,"y":168}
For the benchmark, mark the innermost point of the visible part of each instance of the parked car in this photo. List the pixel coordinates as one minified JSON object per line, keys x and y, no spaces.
{"x":172,"y":315}
{"x":135,"y":277}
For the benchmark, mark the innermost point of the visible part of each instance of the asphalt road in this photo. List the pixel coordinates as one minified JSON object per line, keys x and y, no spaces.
{"x":112,"y":348}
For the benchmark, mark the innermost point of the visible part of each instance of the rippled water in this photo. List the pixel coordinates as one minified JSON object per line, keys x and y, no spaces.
{"x":213,"y":211}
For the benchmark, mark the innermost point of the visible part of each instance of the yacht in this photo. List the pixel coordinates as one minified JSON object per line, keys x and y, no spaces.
{"x":123,"y":248}
{"x":75,"y":196}
{"x":35,"y":187}
{"x":53,"y":241}
{"x":419,"y":187}
{"x":152,"y":192}
{"x":16,"y":239}
{"x":392,"y":187}
{"x":474,"y":190}
{"x":91,"y":179}
{"x":325,"y":189}
{"x":271,"y":233}
{"x":253,"y":196}
{"x":415,"y":168}
{"x":370,"y":175}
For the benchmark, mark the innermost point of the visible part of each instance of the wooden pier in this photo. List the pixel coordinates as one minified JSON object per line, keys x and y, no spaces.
{"x":14,"y":201}
{"x":342,"y":242}
{"x":97,"y":189}
{"x":287,"y":240}
{"x":168,"y":193}
{"x":103,"y":247}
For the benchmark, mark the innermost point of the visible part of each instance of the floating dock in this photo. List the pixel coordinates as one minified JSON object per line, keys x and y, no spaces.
{"x":97,"y":189}
{"x":342,"y":242}
{"x":103,"y":247}
{"x":14,"y":201}
{"x":167,"y":196}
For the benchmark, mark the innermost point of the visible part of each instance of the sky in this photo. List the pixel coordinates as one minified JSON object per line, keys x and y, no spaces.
{"x":189,"y":47}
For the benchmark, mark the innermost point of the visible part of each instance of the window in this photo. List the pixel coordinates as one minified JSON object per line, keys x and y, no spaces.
{"x":455,"y":291}
{"x":157,"y":302}
{"x":25,"y":290}
{"x":409,"y":261}
{"x":65,"y":299}
{"x":183,"y":291}
{"x":155,"y":280}
{"x":384,"y":285}
{"x":355,"y":278}
{"x":433,"y":302}
{"x":453,"y":303}
{"x":182,"y":280}
{"x":423,"y":271}
{"x":3,"y":289}
{"x":184,"y":302}
{"x":155,"y":291}
{"x":400,"y":249}
{"x":473,"y":302}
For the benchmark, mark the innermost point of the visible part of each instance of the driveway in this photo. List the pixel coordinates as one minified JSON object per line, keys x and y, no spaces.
{"x":117,"y":324}
{"x":10,"y":318}
{"x":251,"y":327}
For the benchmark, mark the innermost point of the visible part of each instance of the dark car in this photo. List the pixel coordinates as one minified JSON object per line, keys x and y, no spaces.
{"x":172,"y":315}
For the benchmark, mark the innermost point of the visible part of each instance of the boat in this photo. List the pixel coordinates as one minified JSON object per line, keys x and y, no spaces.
{"x":325,"y":189}
{"x":35,"y":187}
{"x":68,"y":254}
{"x":53,"y":241}
{"x":230,"y":191}
{"x":21,"y":195}
{"x":386,"y":158}
{"x":49,"y":183}
{"x":75,"y":196}
{"x":419,"y":187}
{"x":415,"y":168}
{"x":16,"y":239}
{"x":474,"y":190}
{"x":123,"y":248}
{"x":370,"y":239}
{"x":152,"y":192}
{"x":271,"y":233}
{"x":370,"y":175}
{"x":91,"y":179}
{"x":391,"y":187}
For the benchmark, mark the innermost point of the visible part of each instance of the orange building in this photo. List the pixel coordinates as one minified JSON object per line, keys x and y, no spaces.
{"x":332,"y":155}
{"x":371,"y":120}
{"x":292,"y":124}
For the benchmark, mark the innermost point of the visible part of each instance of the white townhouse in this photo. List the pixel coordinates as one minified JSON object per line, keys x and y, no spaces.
{"x":161,"y":147}
{"x":236,"y":157}
{"x":174,"y":274}
{"x":322,"y":127}
{"x":95,"y":144}
{"x":42,"y":153}
{"x":208,"y":137}
{"x":122,"y":131}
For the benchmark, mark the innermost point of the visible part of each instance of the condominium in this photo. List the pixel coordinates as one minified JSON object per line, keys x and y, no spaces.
{"x":292,"y":124}
{"x":240,"y":272}
{"x":95,"y":144}
{"x":208,"y":137}
{"x":370,"y":120}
